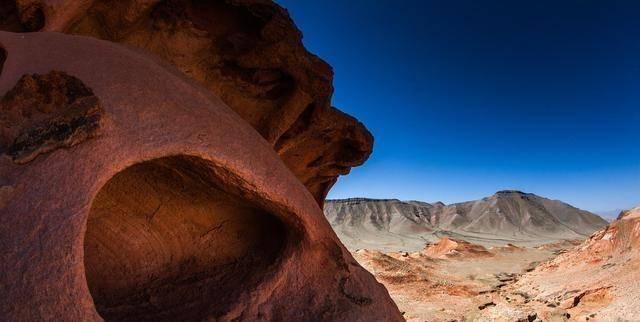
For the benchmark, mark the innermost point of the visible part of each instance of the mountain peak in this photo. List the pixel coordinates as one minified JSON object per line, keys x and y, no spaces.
{"x":509,"y":215}
{"x":505,"y":192}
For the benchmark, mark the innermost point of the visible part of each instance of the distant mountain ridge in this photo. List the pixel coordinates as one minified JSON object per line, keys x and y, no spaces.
{"x":508,"y":216}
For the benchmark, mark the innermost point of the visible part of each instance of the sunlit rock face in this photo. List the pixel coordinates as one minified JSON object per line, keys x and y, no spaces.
{"x":249,"y":53}
{"x":598,"y":278}
{"x":128,"y":192}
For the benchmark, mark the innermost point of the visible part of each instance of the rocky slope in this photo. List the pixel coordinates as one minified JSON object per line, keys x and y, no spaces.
{"x":505,"y":217}
{"x":247,"y":52}
{"x":597,"y":280}
{"x":451,"y":280}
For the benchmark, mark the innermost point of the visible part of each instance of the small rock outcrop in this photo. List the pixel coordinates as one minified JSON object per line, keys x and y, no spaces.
{"x":130,"y":193}
{"x":248,"y":52}
{"x":620,"y":239}
{"x":448,"y":247}
{"x":45,"y":112}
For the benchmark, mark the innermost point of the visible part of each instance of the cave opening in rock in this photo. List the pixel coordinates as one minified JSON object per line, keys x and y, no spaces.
{"x":165,"y":241}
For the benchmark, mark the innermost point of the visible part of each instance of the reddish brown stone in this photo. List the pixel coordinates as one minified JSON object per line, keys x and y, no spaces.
{"x":248,"y":52}
{"x":45,"y":112}
{"x":177,"y":211}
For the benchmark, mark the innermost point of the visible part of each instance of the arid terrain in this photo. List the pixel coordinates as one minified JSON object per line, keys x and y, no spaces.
{"x":579,"y":279}
{"x":452,"y":279}
{"x":169,"y":160}
{"x":508,"y":216}
{"x":597,"y":280}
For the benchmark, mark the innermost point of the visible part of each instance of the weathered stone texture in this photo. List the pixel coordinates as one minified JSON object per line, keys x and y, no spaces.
{"x":177,"y":210}
{"x":248,"y":52}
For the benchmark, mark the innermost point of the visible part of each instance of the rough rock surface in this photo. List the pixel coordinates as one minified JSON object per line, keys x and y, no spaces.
{"x":448,"y":247}
{"x":570,"y":280}
{"x":596,"y":280}
{"x":177,"y":210}
{"x":248,"y":52}
{"x":505,"y":217}
{"x":456,"y":286}
{"x":45,"y":112}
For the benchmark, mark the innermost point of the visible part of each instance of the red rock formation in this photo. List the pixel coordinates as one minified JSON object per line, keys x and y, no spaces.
{"x":621,"y":239}
{"x":248,"y":52}
{"x":153,"y":201}
{"x":43,"y":113}
{"x":596,"y":280}
{"x":449,"y":247}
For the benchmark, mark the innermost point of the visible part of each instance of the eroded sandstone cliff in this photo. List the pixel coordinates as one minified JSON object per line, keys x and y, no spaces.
{"x":128,"y":192}
{"x":248,"y":52}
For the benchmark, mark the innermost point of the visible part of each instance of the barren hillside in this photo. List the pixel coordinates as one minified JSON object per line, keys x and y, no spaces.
{"x":506,"y":217}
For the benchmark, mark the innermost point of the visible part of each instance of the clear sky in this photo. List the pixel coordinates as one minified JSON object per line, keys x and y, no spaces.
{"x":465,"y":98}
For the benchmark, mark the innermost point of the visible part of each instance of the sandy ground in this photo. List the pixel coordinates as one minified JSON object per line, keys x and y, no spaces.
{"x":597,"y":279}
{"x":458,"y":283}
{"x":355,"y":239}
{"x":579,"y":293}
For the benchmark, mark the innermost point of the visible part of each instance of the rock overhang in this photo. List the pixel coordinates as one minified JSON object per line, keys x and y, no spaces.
{"x":152,"y":112}
{"x":249,"y":53}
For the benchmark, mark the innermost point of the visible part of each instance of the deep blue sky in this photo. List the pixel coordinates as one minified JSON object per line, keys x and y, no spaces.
{"x":465,"y":98}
